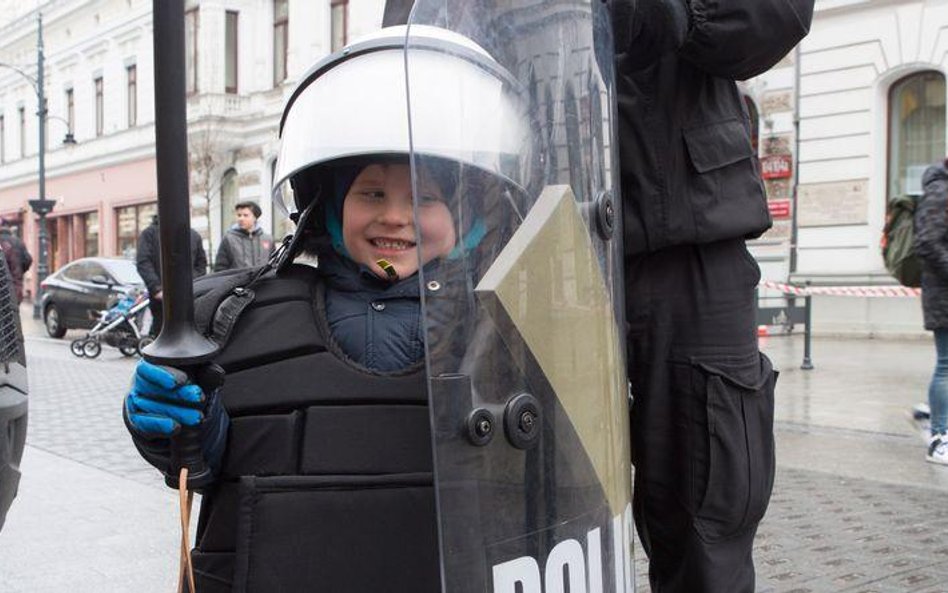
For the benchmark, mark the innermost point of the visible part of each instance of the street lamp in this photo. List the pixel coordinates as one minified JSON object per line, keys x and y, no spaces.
{"x":41,"y":206}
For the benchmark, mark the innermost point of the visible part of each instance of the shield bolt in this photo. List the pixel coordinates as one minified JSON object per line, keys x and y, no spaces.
{"x":522,"y":422}
{"x":480,"y":427}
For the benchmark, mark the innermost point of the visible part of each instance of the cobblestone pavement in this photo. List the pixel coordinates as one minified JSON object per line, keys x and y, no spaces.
{"x":75,"y":408}
{"x":855,"y":508}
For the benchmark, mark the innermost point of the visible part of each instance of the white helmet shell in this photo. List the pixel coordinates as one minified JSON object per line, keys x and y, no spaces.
{"x":445,"y":97}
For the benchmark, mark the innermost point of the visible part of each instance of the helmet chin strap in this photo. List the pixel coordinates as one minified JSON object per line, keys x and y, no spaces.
{"x":282,"y":258}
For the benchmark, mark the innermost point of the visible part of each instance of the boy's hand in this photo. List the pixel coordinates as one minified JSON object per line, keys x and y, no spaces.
{"x":161,"y":399}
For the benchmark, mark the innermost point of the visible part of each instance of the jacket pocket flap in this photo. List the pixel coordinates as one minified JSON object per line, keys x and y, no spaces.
{"x":751,"y":378}
{"x":717,"y":145}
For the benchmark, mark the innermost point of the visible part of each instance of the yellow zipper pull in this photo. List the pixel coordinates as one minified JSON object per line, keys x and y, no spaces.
{"x":388,"y":268}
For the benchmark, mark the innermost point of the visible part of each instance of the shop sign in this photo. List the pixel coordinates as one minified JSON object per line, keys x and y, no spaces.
{"x":779,"y":209}
{"x":776,"y":166}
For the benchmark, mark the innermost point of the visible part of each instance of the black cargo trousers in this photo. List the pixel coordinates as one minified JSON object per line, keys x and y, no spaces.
{"x":702,"y":415}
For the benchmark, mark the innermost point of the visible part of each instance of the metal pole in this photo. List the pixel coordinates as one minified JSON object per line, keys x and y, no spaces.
{"x":42,"y":267}
{"x":795,"y":183}
{"x":808,"y":331}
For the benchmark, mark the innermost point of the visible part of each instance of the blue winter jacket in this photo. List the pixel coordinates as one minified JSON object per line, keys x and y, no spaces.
{"x":375,"y":322}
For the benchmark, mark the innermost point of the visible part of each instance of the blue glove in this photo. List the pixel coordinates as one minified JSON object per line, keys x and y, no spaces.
{"x":161,"y":400}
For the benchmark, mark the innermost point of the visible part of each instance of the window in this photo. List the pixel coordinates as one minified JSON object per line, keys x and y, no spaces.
{"x":754,"y":116}
{"x":90,"y":227}
{"x":21,"y":111}
{"x":916,"y":130}
{"x":191,"y":50}
{"x":230,"y":52}
{"x":80,"y":272}
{"x":3,"y":141}
{"x":131,"y":73}
{"x":95,"y":270}
{"x":230,"y":195}
{"x":99,"y":106}
{"x":340,"y":22}
{"x":280,"y":223}
{"x":281,"y":15}
{"x":70,"y":110}
{"x":131,"y":221}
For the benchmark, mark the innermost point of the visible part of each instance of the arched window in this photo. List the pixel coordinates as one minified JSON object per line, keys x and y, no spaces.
{"x":916,"y":130}
{"x":230,"y":195}
{"x":281,"y":225}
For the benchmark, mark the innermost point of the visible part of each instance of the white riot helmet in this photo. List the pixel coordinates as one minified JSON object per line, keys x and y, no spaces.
{"x":464,"y":108}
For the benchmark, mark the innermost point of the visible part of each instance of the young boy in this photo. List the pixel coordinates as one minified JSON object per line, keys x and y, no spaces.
{"x":368,"y":298}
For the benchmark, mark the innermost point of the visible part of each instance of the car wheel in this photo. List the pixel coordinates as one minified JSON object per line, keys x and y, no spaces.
{"x":54,"y":322}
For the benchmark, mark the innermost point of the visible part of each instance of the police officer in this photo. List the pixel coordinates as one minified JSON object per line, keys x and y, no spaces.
{"x":702,"y":418}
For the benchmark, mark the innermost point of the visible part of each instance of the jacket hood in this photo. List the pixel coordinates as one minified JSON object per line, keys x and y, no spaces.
{"x":257,"y":229}
{"x":934,"y":173}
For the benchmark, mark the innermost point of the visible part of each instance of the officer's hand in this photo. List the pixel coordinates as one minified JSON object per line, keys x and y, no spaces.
{"x":161,"y":399}
{"x":648,"y":28}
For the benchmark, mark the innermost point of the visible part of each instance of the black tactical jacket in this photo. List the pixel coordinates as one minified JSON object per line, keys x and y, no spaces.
{"x":689,"y":173}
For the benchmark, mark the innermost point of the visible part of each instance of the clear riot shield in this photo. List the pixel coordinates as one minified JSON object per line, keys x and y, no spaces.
{"x":513,"y":155}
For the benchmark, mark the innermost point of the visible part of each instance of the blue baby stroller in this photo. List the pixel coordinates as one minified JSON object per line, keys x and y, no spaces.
{"x":120,"y":326}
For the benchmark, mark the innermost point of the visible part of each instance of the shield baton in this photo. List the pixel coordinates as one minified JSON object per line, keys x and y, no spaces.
{"x":179,"y":344}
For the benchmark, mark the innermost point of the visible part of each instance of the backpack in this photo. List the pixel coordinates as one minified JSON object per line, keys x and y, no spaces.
{"x":898,"y":241}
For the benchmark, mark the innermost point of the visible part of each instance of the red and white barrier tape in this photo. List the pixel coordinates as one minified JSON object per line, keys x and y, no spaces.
{"x":856,"y":291}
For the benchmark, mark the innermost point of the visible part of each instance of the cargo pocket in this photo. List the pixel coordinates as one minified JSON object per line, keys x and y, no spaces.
{"x":337,"y":533}
{"x":739,"y":475}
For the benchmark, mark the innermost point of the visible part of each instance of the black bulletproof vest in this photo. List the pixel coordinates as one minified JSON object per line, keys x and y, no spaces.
{"x":326,"y":483}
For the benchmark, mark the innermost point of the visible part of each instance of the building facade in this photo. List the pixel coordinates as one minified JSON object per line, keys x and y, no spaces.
{"x":848,"y":121}
{"x":243,"y":58}
{"x":842,"y":124}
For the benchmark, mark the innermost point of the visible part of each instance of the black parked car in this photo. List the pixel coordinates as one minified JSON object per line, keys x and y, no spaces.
{"x":13,"y":402}
{"x":78,"y":292}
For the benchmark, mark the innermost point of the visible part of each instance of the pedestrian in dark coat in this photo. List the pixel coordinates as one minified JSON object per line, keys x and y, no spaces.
{"x":931,"y":246}
{"x":245,"y":244}
{"x":702,"y":413}
{"x":148,"y":262}
{"x":17,"y":257}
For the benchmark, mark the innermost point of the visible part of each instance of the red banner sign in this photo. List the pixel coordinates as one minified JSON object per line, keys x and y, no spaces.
{"x":779,"y":209}
{"x":776,"y":166}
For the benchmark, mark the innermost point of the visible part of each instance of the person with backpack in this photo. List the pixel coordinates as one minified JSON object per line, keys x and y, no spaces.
{"x":17,"y":257}
{"x":931,"y":247}
{"x":898,"y":241}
